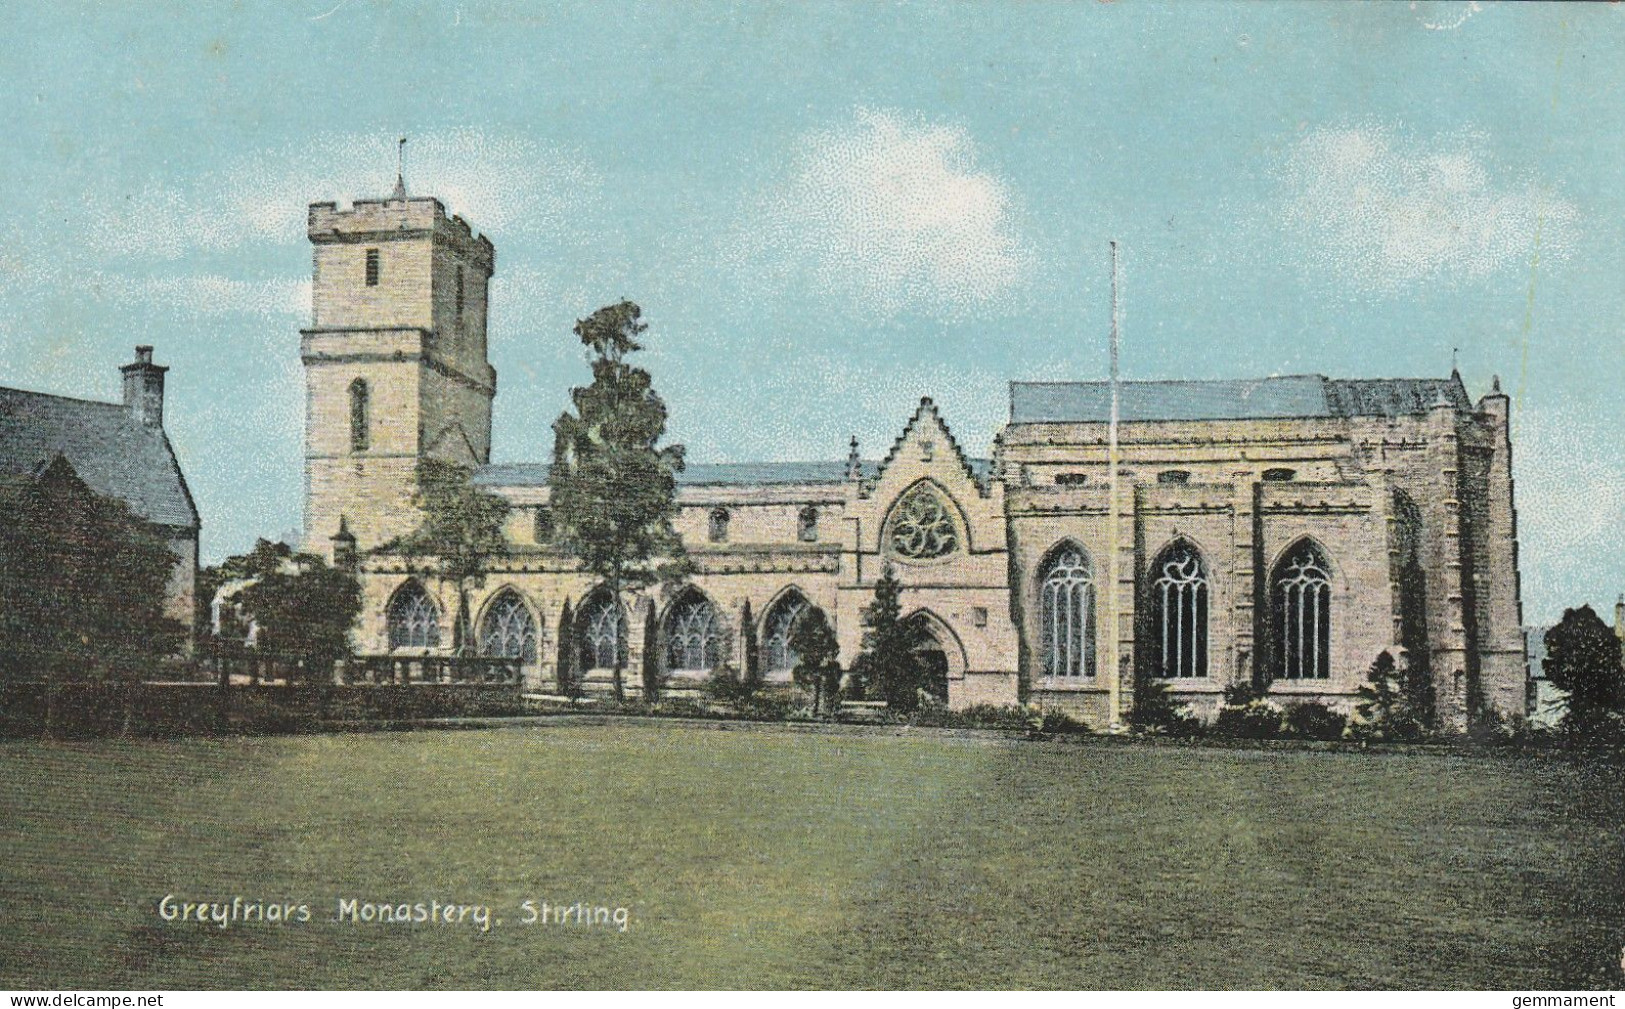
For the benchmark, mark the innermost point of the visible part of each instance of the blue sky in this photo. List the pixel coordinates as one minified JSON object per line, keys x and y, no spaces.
{"x":828,"y":210}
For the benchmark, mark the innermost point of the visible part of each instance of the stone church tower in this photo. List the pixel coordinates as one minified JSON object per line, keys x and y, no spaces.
{"x":395,"y":362}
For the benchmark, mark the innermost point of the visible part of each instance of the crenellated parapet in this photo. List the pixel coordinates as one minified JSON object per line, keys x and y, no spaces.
{"x":392,"y":220}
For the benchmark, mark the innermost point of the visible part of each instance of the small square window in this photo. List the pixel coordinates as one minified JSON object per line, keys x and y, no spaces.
{"x":372,"y":267}
{"x":978,"y":615}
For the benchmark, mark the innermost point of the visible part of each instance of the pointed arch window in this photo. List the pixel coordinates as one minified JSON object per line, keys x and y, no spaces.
{"x":1180,"y":595}
{"x":1301,"y":597}
{"x":922,"y":526}
{"x":1067,"y":604}
{"x":602,"y":623}
{"x":508,"y":630}
{"x":780,"y":624}
{"x":693,"y":635}
{"x":414,"y":619}
{"x":360,"y":407}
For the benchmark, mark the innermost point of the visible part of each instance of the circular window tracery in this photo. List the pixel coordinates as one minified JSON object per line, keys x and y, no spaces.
{"x":923,"y":526}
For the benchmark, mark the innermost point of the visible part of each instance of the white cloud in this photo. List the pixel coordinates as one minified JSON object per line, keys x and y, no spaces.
{"x":207,"y":295}
{"x":1387,"y":213}
{"x":895,"y":213}
{"x":505,"y":183}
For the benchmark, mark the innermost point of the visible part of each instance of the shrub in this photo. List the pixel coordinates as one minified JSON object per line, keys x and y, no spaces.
{"x":722,"y":685}
{"x":1246,"y":714}
{"x":1050,"y":722}
{"x":1155,"y":710}
{"x":1314,"y":720}
{"x":1385,"y":710}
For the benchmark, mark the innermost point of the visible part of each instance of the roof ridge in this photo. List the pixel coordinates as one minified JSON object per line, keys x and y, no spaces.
{"x":70,"y":399}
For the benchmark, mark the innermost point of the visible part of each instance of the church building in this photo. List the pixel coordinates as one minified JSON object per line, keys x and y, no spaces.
{"x":1281,"y":531}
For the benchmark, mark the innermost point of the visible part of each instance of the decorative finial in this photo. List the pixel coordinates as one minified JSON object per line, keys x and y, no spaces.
{"x":1454,"y":373}
{"x":1495,"y":383}
{"x":854,"y":468}
{"x":400,"y":170}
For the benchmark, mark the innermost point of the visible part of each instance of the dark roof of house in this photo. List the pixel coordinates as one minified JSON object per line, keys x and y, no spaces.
{"x":1278,"y":397}
{"x":534,"y":474}
{"x":112,"y":452}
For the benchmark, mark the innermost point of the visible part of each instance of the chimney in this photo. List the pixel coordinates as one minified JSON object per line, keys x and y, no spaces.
{"x":144,"y":388}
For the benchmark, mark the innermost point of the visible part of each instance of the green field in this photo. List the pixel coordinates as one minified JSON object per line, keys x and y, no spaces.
{"x":753,"y":858}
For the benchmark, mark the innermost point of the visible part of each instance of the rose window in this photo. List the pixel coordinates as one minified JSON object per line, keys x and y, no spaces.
{"x":923,"y":526}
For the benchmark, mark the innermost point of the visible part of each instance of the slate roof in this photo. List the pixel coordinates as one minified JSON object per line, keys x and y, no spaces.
{"x":1278,"y":397}
{"x":710,"y":474}
{"x":534,"y":474}
{"x":113,"y":453}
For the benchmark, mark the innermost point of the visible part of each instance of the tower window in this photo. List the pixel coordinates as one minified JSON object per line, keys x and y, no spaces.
{"x":1279,"y":475}
{"x":1071,"y":479}
{"x":1174,"y":476}
{"x":807,"y":525}
{"x":459,"y":294}
{"x":358,"y":416}
{"x":372,"y":267}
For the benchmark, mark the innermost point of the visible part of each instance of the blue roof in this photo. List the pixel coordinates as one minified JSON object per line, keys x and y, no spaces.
{"x":1286,"y":396}
{"x":534,"y":474}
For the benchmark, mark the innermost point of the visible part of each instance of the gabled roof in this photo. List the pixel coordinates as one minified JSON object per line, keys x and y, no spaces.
{"x":979,"y":470}
{"x":112,"y":452}
{"x":1277,"y":397}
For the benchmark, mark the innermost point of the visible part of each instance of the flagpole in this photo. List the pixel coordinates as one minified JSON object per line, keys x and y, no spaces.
{"x":1114,"y":684}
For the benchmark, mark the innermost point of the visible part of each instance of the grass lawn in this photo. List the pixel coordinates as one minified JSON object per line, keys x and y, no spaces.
{"x":779,"y":859}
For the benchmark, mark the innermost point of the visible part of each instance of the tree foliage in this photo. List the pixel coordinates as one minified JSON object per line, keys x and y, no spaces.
{"x":817,"y":652}
{"x":459,"y":536}
{"x":1583,"y":658}
{"x":890,"y":661}
{"x":1387,"y":707}
{"x":85,"y":583}
{"x":614,"y":488}
{"x":301,"y":606}
{"x":569,"y":683}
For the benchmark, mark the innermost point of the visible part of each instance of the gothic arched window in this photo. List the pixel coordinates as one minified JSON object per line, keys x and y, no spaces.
{"x":693,"y":635}
{"x":922,"y":525}
{"x":359,"y":435}
{"x":1067,"y":604}
{"x":414,"y":619}
{"x":1179,"y":611}
{"x":807,"y":525}
{"x":719,"y":525}
{"x":781,"y":619}
{"x":508,"y":630}
{"x":1301,"y":597}
{"x":602,"y":623}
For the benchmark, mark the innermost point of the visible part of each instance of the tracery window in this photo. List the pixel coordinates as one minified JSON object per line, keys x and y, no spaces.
{"x":602,"y":622}
{"x":508,"y":630}
{"x":359,"y":408}
{"x":693,"y":635}
{"x":922,"y":527}
{"x":1180,"y":595}
{"x":1067,"y":603}
{"x":781,"y":619}
{"x":1301,"y":593}
{"x":414,"y":619}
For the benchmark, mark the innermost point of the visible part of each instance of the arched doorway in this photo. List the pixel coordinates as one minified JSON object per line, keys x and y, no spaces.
{"x":939,"y":653}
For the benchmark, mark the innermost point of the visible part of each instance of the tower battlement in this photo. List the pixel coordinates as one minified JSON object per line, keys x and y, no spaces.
{"x":390,"y":219}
